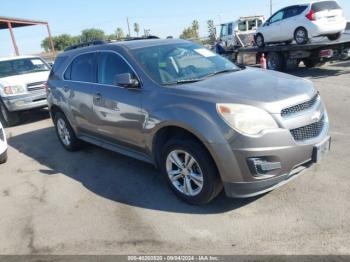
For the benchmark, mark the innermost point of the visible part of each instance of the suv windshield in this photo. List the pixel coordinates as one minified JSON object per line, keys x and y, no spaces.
{"x":181,"y":63}
{"x":22,"y":66}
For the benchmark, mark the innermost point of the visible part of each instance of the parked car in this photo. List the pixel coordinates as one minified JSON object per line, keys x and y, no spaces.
{"x":3,"y":145}
{"x":22,"y":86}
{"x":303,"y":22}
{"x":205,"y":122}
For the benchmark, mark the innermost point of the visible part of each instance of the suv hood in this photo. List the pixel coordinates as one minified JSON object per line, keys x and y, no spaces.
{"x":24,"y":79}
{"x":270,"y":90}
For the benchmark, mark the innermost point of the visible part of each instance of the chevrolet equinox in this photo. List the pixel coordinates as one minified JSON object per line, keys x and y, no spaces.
{"x":206,"y":123}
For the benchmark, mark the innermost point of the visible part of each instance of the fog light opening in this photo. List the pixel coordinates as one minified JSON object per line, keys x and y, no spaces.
{"x":261,"y":167}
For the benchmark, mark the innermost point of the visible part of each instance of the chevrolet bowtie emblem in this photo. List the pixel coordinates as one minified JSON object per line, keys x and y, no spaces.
{"x":316,"y":116}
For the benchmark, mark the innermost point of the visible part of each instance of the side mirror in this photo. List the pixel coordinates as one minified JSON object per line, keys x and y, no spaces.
{"x":267,"y":23}
{"x":126,"y":80}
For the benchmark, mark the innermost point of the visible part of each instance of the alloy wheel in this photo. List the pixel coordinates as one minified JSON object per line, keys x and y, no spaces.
{"x":63,"y":132}
{"x":184,"y":172}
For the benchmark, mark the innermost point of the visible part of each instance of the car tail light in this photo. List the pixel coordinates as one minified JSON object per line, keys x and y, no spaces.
{"x":311,"y":15}
{"x":327,"y":53}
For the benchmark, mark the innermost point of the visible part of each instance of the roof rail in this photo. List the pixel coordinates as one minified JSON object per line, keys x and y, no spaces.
{"x":96,"y":42}
{"x":101,"y":42}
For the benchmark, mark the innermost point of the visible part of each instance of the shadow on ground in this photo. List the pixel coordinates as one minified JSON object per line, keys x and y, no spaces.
{"x":321,"y":72}
{"x":111,"y":175}
{"x":32,"y":116}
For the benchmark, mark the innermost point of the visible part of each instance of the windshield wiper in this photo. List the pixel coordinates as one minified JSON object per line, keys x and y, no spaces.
{"x":184,"y":81}
{"x":222,"y":72}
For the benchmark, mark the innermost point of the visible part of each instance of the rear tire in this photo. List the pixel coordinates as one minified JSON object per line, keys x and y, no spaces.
{"x":259,"y":40}
{"x":334,"y":37}
{"x":275,"y":61}
{"x":301,"y":36}
{"x":65,"y":133}
{"x":200,"y":170}
{"x":8,"y":118}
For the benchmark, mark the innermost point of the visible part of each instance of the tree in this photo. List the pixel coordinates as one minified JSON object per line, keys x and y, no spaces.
{"x":191,"y":32}
{"x":89,"y":35}
{"x":111,"y":37}
{"x":212,"y":32}
{"x":119,"y":33}
{"x":137,"y":29}
{"x":61,"y":42}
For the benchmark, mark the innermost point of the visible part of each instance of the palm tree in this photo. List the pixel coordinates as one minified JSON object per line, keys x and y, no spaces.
{"x":119,"y":33}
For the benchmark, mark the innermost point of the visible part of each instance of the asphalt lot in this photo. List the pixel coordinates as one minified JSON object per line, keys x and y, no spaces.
{"x":98,"y":202}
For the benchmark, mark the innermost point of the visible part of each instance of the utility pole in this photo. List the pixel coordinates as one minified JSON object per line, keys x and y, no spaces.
{"x":270,"y":7}
{"x":127,"y":21}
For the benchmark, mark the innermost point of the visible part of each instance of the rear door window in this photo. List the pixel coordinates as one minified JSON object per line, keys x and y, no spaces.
{"x":83,"y":68}
{"x":326,"y":5}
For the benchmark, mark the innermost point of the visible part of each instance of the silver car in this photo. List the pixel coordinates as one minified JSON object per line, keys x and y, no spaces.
{"x":206,"y":123}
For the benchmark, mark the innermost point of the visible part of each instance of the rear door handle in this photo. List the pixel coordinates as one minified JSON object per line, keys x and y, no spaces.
{"x":98,"y":97}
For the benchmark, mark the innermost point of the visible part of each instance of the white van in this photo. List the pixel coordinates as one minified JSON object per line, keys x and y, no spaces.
{"x":241,"y":32}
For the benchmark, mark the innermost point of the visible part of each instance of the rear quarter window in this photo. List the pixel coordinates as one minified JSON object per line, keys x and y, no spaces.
{"x":326,"y":5}
{"x":59,"y":61}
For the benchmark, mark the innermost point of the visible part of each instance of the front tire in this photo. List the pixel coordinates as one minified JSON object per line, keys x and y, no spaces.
{"x":65,"y":133}
{"x":3,"y":158}
{"x":334,"y":37}
{"x":190,"y":171}
{"x":301,"y":36}
{"x":8,"y":118}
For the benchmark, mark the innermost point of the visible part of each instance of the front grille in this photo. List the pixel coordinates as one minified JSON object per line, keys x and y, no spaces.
{"x":309,"y":131}
{"x":2,"y":135}
{"x":300,"y":107}
{"x":32,"y":87}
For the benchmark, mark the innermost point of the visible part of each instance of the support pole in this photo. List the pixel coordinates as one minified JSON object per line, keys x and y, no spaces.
{"x":127,"y":21}
{"x":51,"y":42}
{"x":13,"y":38}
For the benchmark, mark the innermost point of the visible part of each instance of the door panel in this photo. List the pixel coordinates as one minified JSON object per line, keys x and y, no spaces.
{"x":118,"y":113}
{"x":79,"y":87}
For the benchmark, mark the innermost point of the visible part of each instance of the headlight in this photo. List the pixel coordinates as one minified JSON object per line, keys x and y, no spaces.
{"x":246,"y":119}
{"x":14,"y":90}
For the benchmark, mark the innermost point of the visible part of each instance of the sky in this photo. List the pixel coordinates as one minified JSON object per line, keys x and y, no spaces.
{"x":162,"y":17}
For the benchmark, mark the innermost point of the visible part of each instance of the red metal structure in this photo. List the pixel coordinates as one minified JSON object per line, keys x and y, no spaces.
{"x":10,"y":23}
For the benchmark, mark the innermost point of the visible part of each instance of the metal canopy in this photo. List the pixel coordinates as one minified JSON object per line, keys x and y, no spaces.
{"x":10,"y":23}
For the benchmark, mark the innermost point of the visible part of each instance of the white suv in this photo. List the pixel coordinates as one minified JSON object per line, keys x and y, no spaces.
{"x":302,"y":22}
{"x":3,"y":145}
{"x":22,"y":86}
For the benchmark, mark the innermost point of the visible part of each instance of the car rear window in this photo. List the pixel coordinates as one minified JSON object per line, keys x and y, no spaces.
{"x":326,"y":5}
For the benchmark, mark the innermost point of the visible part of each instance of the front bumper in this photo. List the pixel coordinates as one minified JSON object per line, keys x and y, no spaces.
{"x":274,"y":147}
{"x":25,"y":102}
